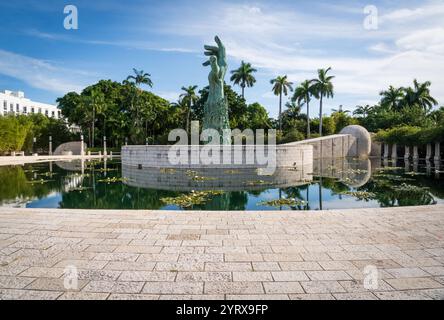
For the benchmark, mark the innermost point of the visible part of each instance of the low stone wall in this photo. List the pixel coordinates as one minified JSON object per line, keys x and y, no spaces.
{"x":334,"y":146}
{"x":157,"y":156}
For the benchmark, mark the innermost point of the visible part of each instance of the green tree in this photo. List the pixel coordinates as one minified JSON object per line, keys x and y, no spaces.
{"x":189,"y":98}
{"x":323,"y":87}
{"x":281,"y":85}
{"x":419,"y":95}
{"x":243,"y":76}
{"x":140,"y":77}
{"x":392,"y":98}
{"x":362,"y":111}
{"x":303,"y":94}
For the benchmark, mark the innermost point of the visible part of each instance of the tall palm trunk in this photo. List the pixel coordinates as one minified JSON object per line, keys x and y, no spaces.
{"x":280,"y":112}
{"x":188,"y":117}
{"x":93,"y":126}
{"x":308,"y":116}
{"x":320,"y":115}
{"x":243,"y":91}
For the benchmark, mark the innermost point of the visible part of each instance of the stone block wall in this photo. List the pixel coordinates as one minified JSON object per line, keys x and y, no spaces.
{"x":157,"y":156}
{"x":334,"y":146}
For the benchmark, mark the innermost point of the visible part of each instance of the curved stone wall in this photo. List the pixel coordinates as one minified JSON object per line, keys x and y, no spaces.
{"x":158,"y":156}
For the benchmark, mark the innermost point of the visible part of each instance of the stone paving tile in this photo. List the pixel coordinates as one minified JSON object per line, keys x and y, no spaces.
{"x":51,"y":284}
{"x":252,"y":276}
{"x":14,"y":282}
{"x":327,"y":275}
{"x":358,"y":286}
{"x":355,"y":296}
{"x":300,"y":266}
{"x":233,"y":288}
{"x":322,"y":287}
{"x":402,"y":295}
{"x":81,"y":264}
{"x":435,"y":294}
{"x":434,"y":271}
{"x":113,"y":286}
{"x":407,"y":272}
{"x":180,"y":266}
{"x":42,"y":272}
{"x":83,"y":296}
{"x":283,"y":287}
{"x":289,"y":276}
{"x":130,"y":266}
{"x":243,"y":257}
{"x":312,"y":296}
{"x":147,"y":276}
{"x":266,"y":266}
{"x":228,"y":266}
{"x":204,"y":277}
{"x":174,"y":287}
{"x":413,"y":283}
{"x":337,"y":265}
{"x":117,"y":256}
{"x":7,"y":294}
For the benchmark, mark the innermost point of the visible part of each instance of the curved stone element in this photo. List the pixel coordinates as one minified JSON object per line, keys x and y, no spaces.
{"x":73,"y":147}
{"x":363,"y":140}
{"x":251,"y":156}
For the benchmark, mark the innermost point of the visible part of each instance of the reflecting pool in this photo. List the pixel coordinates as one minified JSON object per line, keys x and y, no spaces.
{"x":330,"y":184}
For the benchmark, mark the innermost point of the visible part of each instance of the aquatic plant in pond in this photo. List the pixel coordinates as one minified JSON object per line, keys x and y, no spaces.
{"x":283,"y":202}
{"x":191,"y":199}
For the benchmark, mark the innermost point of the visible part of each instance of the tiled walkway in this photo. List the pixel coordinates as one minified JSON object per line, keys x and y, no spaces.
{"x":222,"y":255}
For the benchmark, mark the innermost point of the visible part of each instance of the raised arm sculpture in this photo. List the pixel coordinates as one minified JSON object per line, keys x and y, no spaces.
{"x":216,"y":106}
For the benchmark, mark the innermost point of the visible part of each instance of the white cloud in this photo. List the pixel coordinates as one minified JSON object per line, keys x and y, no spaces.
{"x":266,"y":37}
{"x":41,"y":74}
{"x":171,"y":96}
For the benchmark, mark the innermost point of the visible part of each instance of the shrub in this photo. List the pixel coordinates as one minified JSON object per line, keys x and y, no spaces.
{"x":410,"y":136}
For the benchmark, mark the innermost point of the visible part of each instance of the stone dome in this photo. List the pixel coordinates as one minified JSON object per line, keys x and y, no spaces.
{"x":363,"y":137}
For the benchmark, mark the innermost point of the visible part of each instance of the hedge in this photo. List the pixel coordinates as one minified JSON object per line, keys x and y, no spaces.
{"x":411,"y":136}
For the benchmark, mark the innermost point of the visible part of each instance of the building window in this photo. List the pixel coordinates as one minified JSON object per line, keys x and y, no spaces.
{"x":25,"y":109}
{"x":52,"y":114}
{"x":11,"y":106}
{"x":46,"y":112}
{"x":5,"y":105}
{"x":58,"y":114}
{"x":17,"y":108}
{"x":40,"y":110}
{"x":32,"y":110}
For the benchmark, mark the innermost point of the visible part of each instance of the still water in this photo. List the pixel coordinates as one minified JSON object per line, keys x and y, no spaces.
{"x":332,"y":184}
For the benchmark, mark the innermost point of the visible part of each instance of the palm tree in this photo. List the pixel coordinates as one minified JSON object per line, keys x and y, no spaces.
{"x":420,"y":95}
{"x":303,"y":94}
{"x":393,"y":98}
{"x":94,"y":104}
{"x":281,"y":85}
{"x":362,"y":111}
{"x":243,"y":76}
{"x":140,"y":78}
{"x":189,"y":98}
{"x":323,"y":88}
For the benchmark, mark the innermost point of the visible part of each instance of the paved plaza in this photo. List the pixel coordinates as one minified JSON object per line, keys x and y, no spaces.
{"x":222,"y":255}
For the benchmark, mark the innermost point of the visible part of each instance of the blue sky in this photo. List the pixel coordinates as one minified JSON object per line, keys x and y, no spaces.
{"x":166,"y":38}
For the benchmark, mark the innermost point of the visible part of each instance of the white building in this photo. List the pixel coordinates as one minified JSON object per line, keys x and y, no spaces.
{"x":16,"y":103}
